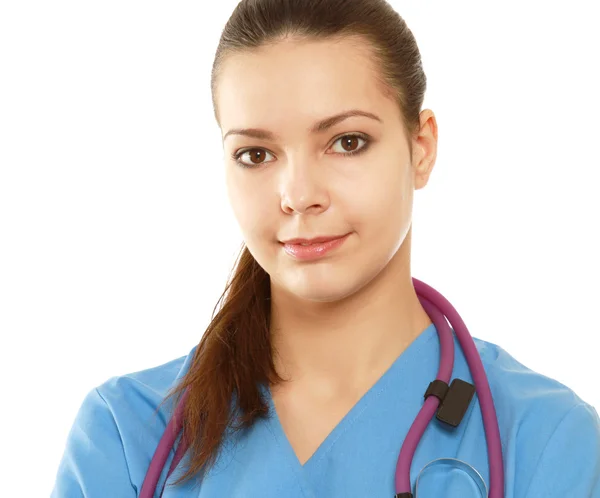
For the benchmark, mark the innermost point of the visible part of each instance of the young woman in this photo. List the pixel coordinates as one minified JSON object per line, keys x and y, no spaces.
{"x":308,"y":379}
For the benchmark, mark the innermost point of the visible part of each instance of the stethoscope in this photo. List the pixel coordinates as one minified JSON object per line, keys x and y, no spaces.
{"x":451,"y":401}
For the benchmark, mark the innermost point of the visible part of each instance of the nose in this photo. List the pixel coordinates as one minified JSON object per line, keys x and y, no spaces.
{"x":303,"y":189}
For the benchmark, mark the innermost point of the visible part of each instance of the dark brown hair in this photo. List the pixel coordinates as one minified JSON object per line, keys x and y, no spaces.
{"x":234,"y":355}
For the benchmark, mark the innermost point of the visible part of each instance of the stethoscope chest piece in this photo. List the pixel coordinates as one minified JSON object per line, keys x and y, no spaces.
{"x":449,"y":477}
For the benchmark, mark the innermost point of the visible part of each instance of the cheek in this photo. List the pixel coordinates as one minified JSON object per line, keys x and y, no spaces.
{"x":375,"y":199}
{"x":379,"y":210}
{"x":251,"y":208}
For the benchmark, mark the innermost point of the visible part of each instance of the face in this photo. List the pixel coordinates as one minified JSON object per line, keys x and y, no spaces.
{"x":351,"y":176}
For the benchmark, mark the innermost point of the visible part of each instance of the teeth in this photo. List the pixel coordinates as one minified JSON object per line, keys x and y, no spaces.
{"x":305,"y":244}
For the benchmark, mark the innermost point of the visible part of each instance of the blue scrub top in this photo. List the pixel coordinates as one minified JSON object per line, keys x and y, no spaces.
{"x":550,"y":437}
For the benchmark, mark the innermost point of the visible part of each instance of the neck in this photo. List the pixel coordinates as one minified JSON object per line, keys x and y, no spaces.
{"x":334,"y":348}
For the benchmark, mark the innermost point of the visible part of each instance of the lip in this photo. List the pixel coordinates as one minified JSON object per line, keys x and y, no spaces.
{"x":319,"y":247}
{"x":314,"y":240}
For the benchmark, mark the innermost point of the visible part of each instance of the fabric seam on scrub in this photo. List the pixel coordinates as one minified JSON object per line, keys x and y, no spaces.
{"x":537,"y":464}
{"x":288,"y":463}
{"x":373,"y":398}
{"x":120,"y":439}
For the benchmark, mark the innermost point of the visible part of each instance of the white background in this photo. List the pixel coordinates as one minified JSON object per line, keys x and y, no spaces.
{"x":117,"y":237}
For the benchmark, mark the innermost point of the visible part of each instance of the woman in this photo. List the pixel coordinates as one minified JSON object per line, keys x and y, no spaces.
{"x":309,"y":377}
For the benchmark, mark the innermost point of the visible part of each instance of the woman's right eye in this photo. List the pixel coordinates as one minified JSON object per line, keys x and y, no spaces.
{"x":255,"y":157}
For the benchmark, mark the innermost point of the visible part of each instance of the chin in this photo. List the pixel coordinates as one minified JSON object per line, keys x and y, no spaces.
{"x":331,"y":291}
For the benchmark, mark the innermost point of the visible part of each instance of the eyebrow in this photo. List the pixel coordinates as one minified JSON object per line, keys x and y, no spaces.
{"x":319,"y":127}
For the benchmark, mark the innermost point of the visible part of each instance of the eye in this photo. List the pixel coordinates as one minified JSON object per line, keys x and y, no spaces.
{"x":256,"y":157}
{"x":350,"y":142}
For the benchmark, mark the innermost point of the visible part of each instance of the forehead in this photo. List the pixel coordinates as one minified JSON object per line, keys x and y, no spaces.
{"x":300,"y":79}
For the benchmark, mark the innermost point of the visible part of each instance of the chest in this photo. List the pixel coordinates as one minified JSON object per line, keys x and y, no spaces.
{"x":307,"y":421}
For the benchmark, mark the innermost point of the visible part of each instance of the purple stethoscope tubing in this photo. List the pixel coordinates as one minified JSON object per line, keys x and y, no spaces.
{"x":438,"y":308}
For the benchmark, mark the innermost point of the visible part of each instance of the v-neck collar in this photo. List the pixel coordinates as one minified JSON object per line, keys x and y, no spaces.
{"x":401,"y":367}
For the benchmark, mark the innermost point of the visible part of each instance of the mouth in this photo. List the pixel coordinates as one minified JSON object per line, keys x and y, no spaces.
{"x":314,"y":240}
{"x":311,"y":249}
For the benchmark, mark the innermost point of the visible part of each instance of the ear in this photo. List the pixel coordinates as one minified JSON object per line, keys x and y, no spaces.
{"x":425,"y":149}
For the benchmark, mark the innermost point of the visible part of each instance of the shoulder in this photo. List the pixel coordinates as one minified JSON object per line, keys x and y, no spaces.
{"x":550,"y":435}
{"x":135,"y":400}
{"x":117,"y":428}
{"x":517,"y":389}
{"x":148,"y":386}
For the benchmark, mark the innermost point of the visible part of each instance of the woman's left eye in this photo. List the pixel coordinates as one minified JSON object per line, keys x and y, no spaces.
{"x":350,"y":142}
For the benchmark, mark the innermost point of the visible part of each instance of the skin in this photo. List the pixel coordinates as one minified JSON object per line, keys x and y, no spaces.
{"x":338,"y":323}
